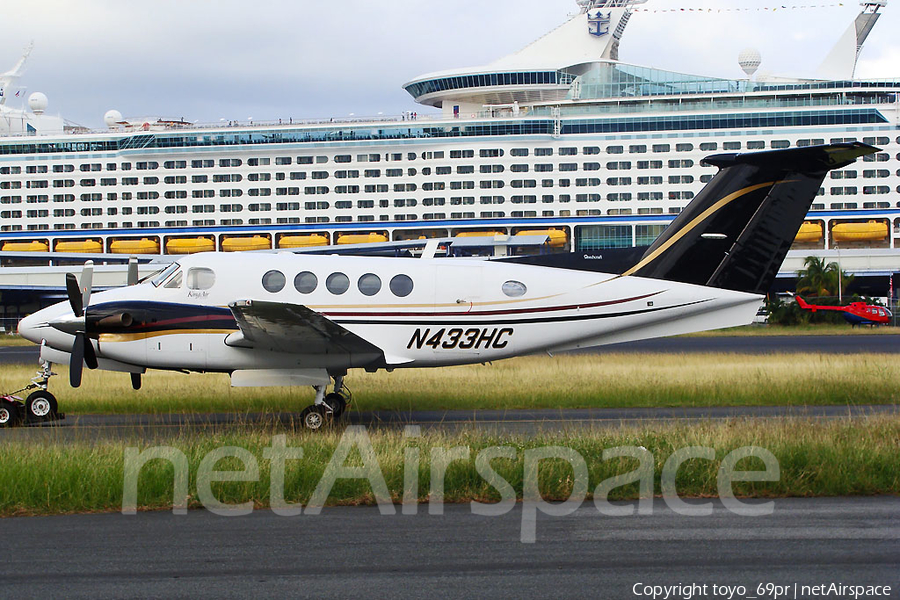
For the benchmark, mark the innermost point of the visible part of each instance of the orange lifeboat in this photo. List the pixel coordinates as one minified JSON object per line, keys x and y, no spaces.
{"x":809,"y":232}
{"x":243,"y":244}
{"x":302,"y":241}
{"x":141,"y":246}
{"x":362,"y":238}
{"x":32,"y":246}
{"x":80,"y":246}
{"x":465,"y":234}
{"x":190,"y":245}
{"x":859,"y":232}
{"x":558,"y":238}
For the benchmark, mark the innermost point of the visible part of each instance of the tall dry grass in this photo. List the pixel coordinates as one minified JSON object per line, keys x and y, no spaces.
{"x":581,"y":381}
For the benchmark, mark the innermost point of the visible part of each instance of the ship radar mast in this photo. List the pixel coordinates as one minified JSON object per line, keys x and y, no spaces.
{"x":10,"y":77}
{"x":865,"y":22}
{"x":841,"y":61}
{"x":600,"y":17}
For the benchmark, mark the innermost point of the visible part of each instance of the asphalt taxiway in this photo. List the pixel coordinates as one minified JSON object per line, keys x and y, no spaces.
{"x":357,"y":552}
{"x":523,"y":422}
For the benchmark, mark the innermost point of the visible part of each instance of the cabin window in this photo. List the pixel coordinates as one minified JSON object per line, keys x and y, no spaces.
{"x":401,"y":285}
{"x":306,"y":282}
{"x":337,"y":283}
{"x":200,"y":278}
{"x":514,"y":289}
{"x":369,"y":284}
{"x":273,"y":281}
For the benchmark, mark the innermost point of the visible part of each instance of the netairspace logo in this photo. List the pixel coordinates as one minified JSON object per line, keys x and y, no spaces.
{"x":356,"y":439}
{"x":767,"y":591}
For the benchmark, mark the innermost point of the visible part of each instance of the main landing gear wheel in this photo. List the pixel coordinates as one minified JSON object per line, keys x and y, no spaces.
{"x":338,"y":404}
{"x":9,"y":414}
{"x":315,"y":417}
{"x":41,"y":405}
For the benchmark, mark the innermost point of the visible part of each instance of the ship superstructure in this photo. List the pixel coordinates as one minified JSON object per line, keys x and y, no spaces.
{"x":560,"y":137}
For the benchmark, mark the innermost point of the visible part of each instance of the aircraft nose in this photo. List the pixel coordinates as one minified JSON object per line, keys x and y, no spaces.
{"x":39,"y":326}
{"x":31,"y":326}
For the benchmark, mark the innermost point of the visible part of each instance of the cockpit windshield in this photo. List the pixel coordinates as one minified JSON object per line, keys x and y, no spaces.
{"x":160,"y":276}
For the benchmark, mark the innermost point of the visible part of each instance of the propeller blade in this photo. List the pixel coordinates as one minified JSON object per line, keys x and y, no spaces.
{"x":74,"y":293}
{"x":90,"y":357}
{"x":136,"y":381}
{"x":132,"y":270}
{"x":76,"y":363}
{"x":87,"y":281}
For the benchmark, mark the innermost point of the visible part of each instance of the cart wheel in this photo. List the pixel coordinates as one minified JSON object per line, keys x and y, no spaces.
{"x":9,"y":414}
{"x":41,"y":405}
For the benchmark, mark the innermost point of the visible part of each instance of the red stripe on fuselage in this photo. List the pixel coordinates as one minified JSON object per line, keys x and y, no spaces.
{"x":483,"y":313}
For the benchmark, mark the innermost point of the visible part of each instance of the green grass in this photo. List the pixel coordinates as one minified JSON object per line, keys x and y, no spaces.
{"x":859,"y":457}
{"x":580,"y":381}
{"x":10,"y":339}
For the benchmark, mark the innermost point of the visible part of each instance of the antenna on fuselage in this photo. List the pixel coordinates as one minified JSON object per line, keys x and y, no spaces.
{"x":132,"y":271}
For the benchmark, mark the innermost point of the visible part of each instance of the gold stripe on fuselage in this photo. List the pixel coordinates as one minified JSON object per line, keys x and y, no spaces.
{"x":132,"y":337}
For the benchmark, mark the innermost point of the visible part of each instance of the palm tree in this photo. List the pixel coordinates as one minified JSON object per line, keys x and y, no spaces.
{"x":820,"y":279}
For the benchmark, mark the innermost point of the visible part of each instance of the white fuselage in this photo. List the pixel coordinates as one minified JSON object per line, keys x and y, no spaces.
{"x":457,"y":312}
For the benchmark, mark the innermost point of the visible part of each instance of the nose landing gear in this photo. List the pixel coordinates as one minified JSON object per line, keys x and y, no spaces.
{"x":328,"y":407}
{"x":40,"y":406}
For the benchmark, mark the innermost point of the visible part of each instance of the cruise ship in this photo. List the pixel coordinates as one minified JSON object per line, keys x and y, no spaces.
{"x":561,"y":138}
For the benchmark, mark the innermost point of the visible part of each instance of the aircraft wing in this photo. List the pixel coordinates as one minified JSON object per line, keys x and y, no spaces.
{"x":293,"y":328}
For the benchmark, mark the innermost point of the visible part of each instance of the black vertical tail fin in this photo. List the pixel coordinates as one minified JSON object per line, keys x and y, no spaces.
{"x":737,"y":231}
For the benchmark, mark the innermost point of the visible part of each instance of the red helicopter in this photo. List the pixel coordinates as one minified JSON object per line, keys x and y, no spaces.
{"x":856,"y":313}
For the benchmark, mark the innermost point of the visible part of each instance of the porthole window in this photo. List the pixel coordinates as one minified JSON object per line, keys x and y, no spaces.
{"x":369,"y":284}
{"x":306,"y":282}
{"x":401,"y":285}
{"x":337,"y":283}
{"x":200,"y":278}
{"x":273,"y":281}
{"x":514,"y":289}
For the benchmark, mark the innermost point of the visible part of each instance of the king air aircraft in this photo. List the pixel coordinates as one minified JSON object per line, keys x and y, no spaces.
{"x":283,"y":319}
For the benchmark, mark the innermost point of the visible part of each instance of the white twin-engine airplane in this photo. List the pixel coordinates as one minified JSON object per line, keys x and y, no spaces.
{"x":284,"y":319}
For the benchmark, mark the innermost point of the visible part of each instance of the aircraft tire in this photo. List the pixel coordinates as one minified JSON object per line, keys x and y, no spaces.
{"x":315,"y":417}
{"x":9,"y":414}
{"x":41,"y":405}
{"x":337,"y":403}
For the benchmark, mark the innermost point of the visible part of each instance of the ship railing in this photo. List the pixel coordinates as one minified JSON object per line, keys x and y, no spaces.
{"x":392,"y":120}
{"x":598,"y":106}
